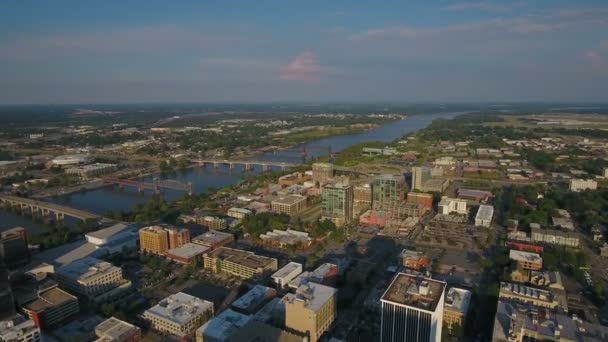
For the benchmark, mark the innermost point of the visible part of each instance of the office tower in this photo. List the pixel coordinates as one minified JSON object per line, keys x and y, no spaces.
{"x":13,"y":247}
{"x":337,"y":203}
{"x":388,"y":193}
{"x":412,"y":309}
{"x":420,"y":175}
{"x":7,"y":302}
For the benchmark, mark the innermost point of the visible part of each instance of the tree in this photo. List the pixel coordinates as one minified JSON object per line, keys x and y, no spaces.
{"x":108,"y":309}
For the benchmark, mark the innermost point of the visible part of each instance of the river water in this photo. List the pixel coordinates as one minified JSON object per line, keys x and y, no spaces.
{"x":111,"y":198}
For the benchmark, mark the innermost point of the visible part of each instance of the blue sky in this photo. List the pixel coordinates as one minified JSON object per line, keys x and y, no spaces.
{"x":209,"y":51}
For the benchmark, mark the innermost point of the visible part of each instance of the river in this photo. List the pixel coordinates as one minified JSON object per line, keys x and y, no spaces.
{"x":111,"y":198}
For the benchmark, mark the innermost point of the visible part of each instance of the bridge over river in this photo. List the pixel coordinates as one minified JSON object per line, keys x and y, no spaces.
{"x":45,"y":209}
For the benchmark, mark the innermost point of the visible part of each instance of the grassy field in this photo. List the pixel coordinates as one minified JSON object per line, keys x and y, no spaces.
{"x":561,"y":121}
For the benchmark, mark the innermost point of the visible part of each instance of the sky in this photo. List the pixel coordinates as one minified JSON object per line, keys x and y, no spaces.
{"x":137,"y":51}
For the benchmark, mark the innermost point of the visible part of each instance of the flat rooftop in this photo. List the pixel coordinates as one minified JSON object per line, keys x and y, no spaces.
{"x":254,"y":299}
{"x":222,"y":326}
{"x":485,"y":212}
{"x":113,"y":329}
{"x":411,"y":255}
{"x":287,"y":270}
{"x":312,"y":294}
{"x":414,"y":291}
{"x":245,"y":258}
{"x":179,"y":308}
{"x":524,"y":256}
{"x":458,"y":299}
{"x":108,"y":232}
{"x":213,"y":237}
{"x":188,"y":250}
{"x":289,"y":200}
{"x":86,"y":268}
{"x":48,"y":299}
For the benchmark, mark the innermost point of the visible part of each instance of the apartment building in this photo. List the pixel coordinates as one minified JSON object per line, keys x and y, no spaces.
{"x":159,"y":239}
{"x":291,"y":205}
{"x":337,"y":203}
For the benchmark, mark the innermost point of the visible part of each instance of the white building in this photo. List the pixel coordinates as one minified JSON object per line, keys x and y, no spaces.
{"x":452,"y":205}
{"x":179,"y":314}
{"x":92,"y":277}
{"x":114,"y":239}
{"x":484,"y":215}
{"x":286,"y":274}
{"x":72,"y":159}
{"x":238,"y":213}
{"x":412,"y":309}
{"x":582,"y":184}
{"x":91,"y":170}
{"x":19,"y":329}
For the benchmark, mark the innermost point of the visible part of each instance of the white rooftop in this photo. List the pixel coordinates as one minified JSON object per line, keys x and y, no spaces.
{"x":85,"y":268}
{"x":179,"y":308}
{"x":312,"y":294}
{"x":485,"y":212}
{"x":222,"y":326}
{"x":287,"y":269}
{"x":524,"y":256}
{"x":458,"y":299}
{"x":188,"y":250}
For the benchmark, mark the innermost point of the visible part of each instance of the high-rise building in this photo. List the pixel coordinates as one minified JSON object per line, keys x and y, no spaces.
{"x":13,"y":247}
{"x":311,"y":310}
{"x":412,"y":309}
{"x":337,"y":203}
{"x":322,"y":172}
{"x":362,"y":198}
{"x":157,"y":239}
{"x":7,"y":301}
{"x":388,"y":193}
{"x":420,"y":174}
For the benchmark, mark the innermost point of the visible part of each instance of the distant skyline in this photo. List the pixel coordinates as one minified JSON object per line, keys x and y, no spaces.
{"x":140,"y":51}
